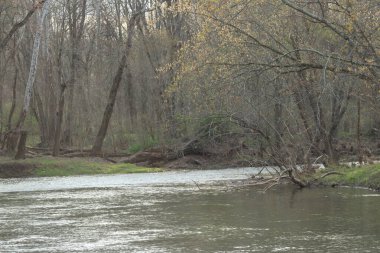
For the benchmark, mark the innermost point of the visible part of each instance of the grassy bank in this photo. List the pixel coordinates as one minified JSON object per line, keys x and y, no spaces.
{"x":51,"y":166}
{"x":365,"y":176}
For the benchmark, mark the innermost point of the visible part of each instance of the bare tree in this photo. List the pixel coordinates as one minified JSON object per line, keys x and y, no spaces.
{"x":17,"y":26}
{"x":30,"y":82}
{"x":97,"y":147}
{"x":62,"y":88}
{"x":33,"y":65}
{"x":77,"y":18}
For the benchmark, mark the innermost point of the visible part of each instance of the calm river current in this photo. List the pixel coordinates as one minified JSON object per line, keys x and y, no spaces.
{"x":167,"y":212}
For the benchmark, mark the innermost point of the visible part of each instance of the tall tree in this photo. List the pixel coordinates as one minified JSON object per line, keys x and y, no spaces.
{"x":77,"y":17}
{"x":62,"y":87}
{"x":33,"y":65}
{"x":97,"y":147}
{"x":30,"y":83}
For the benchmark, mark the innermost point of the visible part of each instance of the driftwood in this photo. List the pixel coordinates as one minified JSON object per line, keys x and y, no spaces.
{"x":75,"y":154}
{"x":109,"y":160}
{"x":270,"y":182}
{"x":37,"y":148}
{"x":143,"y":156}
{"x":32,"y":153}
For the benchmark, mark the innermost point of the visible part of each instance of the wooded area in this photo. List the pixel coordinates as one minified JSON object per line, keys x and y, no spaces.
{"x":271,"y":82}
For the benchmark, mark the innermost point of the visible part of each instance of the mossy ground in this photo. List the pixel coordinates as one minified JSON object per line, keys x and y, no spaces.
{"x":50,"y":166}
{"x":365,"y":176}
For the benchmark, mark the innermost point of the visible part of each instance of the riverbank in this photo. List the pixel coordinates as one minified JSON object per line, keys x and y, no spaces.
{"x":367,"y":176}
{"x":48,"y":166}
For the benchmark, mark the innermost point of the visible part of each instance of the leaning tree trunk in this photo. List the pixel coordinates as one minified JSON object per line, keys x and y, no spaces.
{"x":113,"y":92}
{"x":33,"y":66}
{"x":30,"y":83}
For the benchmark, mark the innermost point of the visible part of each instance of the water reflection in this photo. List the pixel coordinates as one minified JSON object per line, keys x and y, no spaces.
{"x":181,"y":218}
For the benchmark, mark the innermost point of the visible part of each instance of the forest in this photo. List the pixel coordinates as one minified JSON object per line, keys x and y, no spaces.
{"x":190,"y":126}
{"x":251,"y":81}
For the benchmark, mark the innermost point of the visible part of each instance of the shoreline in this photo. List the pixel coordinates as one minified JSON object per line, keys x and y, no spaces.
{"x":364,"y":176}
{"x":367,"y":176}
{"x":48,"y":166}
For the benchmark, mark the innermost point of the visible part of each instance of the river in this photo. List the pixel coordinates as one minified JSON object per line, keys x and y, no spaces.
{"x":169,"y":212}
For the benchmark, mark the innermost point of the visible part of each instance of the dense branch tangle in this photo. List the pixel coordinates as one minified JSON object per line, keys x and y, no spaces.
{"x":319,"y":53}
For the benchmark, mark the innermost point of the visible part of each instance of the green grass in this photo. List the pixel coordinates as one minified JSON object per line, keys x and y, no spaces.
{"x":50,"y":166}
{"x":140,"y":145}
{"x":366,"y":176}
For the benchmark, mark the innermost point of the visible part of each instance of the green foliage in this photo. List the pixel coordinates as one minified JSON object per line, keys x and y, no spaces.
{"x":134,"y":148}
{"x":142,"y":144}
{"x":367,"y":176}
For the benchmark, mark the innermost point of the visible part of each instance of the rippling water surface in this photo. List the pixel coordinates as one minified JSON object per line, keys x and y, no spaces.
{"x":167,"y":212}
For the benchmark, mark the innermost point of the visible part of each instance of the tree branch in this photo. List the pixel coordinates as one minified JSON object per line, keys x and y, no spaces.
{"x":20,"y":24}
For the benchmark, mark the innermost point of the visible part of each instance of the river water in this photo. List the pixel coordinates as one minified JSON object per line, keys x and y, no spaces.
{"x":169,"y":212}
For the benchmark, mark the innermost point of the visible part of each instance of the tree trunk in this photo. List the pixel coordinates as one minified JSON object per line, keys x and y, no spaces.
{"x":33,"y":66}
{"x":358,"y":139}
{"x":11,"y":141}
{"x":302,"y":112}
{"x":97,"y":147}
{"x":338,"y":109}
{"x":21,"y":149}
{"x":77,"y":17}
{"x":1,"y":110}
{"x":130,"y":97}
{"x":109,"y":108}
{"x":58,"y":124}
{"x":278,"y":116}
{"x":13,"y":106}
{"x":42,"y":119}
{"x":70,"y":110}
{"x":61,"y":97}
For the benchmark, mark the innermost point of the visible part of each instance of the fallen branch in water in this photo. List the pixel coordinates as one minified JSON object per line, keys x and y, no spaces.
{"x":257,"y":183}
{"x":196,"y":184}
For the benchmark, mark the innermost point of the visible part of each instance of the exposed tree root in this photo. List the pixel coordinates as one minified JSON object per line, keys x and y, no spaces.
{"x":330,"y":173}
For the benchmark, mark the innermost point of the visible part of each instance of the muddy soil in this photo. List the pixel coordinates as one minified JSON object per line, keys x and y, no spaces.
{"x":16,"y":170}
